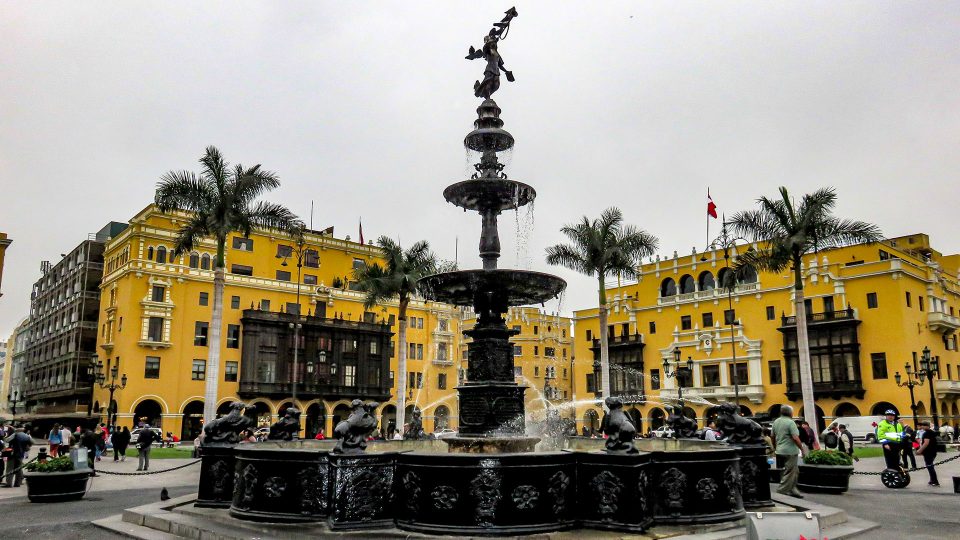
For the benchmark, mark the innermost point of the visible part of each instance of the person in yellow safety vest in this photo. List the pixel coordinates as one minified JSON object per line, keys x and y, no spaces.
{"x":890,"y":435}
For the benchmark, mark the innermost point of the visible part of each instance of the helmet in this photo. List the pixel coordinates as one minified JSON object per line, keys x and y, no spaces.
{"x":891,"y":411}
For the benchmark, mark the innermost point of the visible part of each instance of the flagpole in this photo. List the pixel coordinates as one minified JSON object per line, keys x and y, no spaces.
{"x":708,"y":221}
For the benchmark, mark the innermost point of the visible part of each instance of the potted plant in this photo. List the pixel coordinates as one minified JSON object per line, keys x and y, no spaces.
{"x":55,"y":480}
{"x":826,"y":471}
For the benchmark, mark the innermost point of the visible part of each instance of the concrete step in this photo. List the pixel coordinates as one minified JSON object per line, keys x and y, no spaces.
{"x":117,"y":525}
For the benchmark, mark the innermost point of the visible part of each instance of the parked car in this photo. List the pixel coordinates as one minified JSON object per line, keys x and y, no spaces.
{"x":157,"y":435}
{"x":445,"y":433}
{"x":863,"y":428}
{"x":663,"y":432}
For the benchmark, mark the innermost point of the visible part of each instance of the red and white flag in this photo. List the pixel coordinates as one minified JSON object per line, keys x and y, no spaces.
{"x":361,"y":230}
{"x":711,"y":208}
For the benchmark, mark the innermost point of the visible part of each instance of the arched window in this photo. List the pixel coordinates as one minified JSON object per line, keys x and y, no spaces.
{"x":723,"y":278}
{"x":194,"y":260}
{"x":161,"y":255}
{"x":205,"y":262}
{"x":706,"y":281}
{"x":747,"y":275}
{"x":668,"y":288}
{"x":150,"y":253}
{"x":686,"y":284}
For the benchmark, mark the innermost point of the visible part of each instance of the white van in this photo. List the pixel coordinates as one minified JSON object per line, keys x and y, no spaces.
{"x":863,"y":428}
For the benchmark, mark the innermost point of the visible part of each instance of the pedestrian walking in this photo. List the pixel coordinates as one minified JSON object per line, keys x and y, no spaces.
{"x":789,"y":448}
{"x":66,"y":440}
{"x":810,"y":439}
{"x":889,"y":434}
{"x":19,"y":444}
{"x":144,"y":442}
{"x":54,"y":440}
{"x":907,"y":446}
{"x":846,"y":441}
{"x":928,"y":449}
{"x":121,"y":439}
{"x":831,"y":439}
{"x":88,"y":440}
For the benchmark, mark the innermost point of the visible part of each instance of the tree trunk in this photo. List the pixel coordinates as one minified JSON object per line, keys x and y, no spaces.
{"x":604,"y":343}
{"x":803,"y":353}
{"x":401,"y":367}
{"x":210,"y":394}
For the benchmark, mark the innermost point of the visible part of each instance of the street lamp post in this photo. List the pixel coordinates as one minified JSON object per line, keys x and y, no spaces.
{"x":13,"y":408}
{"x":299,"y":251}
{"x":914,"y":378}
{"x":112,"y":386}
{"x":678,"y":373}
{"x":930,"y":367}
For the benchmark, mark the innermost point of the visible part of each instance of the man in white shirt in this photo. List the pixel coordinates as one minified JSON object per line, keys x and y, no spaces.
{"x":710,"y":432}
{"x":66,"y":440}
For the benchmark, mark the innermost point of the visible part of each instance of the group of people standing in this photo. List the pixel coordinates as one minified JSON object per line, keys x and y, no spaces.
{"x":900,"y":443}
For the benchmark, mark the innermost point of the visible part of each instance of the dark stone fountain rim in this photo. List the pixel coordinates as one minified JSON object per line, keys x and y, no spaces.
{"x":489,"y":193}
{"x":516,"y":287}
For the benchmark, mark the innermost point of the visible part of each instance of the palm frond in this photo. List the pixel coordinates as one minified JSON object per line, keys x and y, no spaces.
{"x":191,"y":234}
{"x":271,"y":215}
{"x":569,"y":257}
{"x":182,"y":190}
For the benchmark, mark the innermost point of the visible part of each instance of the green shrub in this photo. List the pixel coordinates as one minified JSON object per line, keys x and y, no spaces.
{"x":827,"y":457}
{"x":59,"y":464}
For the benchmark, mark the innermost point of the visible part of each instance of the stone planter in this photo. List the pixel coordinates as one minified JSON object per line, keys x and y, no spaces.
{"x":56,"y":486}
{"x":824,"y":478}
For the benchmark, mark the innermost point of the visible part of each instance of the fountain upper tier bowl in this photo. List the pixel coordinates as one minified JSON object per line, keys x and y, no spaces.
{"x":489,"y":194}
{"x":506,"y":287}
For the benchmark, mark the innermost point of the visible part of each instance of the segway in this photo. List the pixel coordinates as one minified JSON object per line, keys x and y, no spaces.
{"x":895,"y":478}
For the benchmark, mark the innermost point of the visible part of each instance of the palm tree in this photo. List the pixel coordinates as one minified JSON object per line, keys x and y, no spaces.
{"x":398,"y":279}
{"x":221,"y":201}
{"x":604,"y":246}
{"x":787,"y":232}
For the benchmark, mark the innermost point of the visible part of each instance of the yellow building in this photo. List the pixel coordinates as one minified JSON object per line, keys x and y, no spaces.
{"x":4,"y":242}
{"x":543,"y":358}
{"x":872,"y":308}
{"x":156,"y":309}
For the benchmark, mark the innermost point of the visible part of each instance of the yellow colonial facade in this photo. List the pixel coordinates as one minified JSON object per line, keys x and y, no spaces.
{"x":543,"y":358}
{"x":872,"y":308}
{"x":156,"y":310}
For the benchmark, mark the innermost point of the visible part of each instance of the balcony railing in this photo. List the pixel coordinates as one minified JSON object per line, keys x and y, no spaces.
{"x":825,"y":316}
{"x":752,"y":392}
{"x":835,"y":389}
{"x":946,"y":388}
{"x":311,"y":390}
{"x":629,"y":339}
{"x":942,"y":322}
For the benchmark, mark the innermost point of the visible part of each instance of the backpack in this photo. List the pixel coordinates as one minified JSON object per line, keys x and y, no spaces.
{"x":830,"y":440}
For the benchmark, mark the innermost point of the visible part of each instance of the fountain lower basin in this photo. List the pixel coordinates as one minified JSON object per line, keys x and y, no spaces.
{"x":510,"y":287}
{"x":419,"y":486}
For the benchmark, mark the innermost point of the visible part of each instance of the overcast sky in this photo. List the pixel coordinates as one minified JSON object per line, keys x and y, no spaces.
{"x":362,"y":108}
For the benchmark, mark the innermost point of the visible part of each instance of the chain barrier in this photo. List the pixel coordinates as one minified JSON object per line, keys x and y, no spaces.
{"x":144,"y":473}
{"x":869,"y":473}
{"x":20,"y":468}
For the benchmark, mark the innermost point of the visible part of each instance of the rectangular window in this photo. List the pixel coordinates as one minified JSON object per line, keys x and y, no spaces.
{"x":156,"y":293}
{"x":653,"y":327}
{"x":871,"y":300}
{"x":241,"y":270}
{"x":515,"y":328}
{"x":739,"y":374}
{"x":550,"y":351}
{"x":879,"y":363}
{"x":293,"y":308}
{"x":654,"y":379}
{"x":283,"y":275}
{"x":828,"y":304}
{"x":243,"y":244}
{"x":909,"y":303}
{"x":151,"y":369}
{"x":284,"y":251}
{"x":348,"y":345}
{"x":729,"y":316}
{"x":374,"y":348}
{"x":518,"y":350}
{"x":443,"y":325}
{"x":776,"y":372}
{"x":200,"y":332}
{"x":349,"y":375}
{"x":589,"y":335}
{"x":625,"y":329}
{"x":771,"y":313}
{"x":517,"y":371}
{"x":412,"y":352}
{"x":711,"y":375}
{"x":204,"y":299}
{"x":591,"y":383}
{"x":199,"y":371}
{"x":155,"y":329}
{"x":311,"y":259}
{"x":536,"y":330}
{"x":442,"y":352}
{"x":685,"y":322}
{"x":536,"y":350}
{"x":884,"y":255}
{"x":309,"y":279}
{"x":920,"y":302}
{"x":233,"y":336}
{"x":230,"y":371}
{"x":419,"y":351}
{"x":234,"y":302}
{"x":442,"y":381}
{"x":265,"y":305}
{"x":359,"y":264}
{"x":536,"y":371}
{"x":707,"y":320}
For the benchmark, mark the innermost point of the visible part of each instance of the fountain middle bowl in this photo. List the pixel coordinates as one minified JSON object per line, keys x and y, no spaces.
{"x":513,"y":287}
{"x":489,"y":193}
